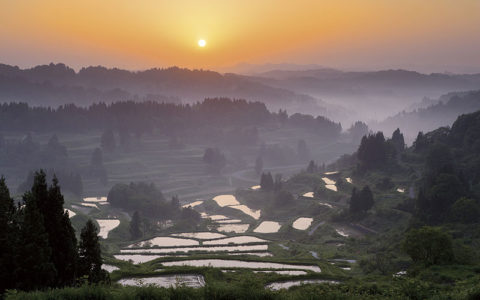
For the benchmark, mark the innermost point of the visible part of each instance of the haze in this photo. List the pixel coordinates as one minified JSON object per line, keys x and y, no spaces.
{"x":425,"y":35}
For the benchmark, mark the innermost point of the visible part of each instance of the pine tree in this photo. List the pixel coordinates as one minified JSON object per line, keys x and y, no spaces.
{"x":34,"y":267}
{"x":8,"y":237}
{"x":90,"y":260}
{"x":61,"y":236}
{"x":312,"y":167}
{"x":135,"y":224}
{"x":266,"y":182}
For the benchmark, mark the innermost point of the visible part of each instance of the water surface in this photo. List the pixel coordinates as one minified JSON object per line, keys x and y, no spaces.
{"x":267,"y":227}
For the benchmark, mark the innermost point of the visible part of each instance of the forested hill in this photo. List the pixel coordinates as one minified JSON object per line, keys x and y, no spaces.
{"x":143,"y":117}
{"x":56,"y":84}
{"x":442,"y":113}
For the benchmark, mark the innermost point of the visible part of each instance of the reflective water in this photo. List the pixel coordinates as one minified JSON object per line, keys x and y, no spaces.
{"x":244,"y":239}
{"x":261,"y":254}
{"x":331,"y":173}
{"x":326,"y":204}
{"x":342,"y":232}
{"x":328,"y":180}
{"x":137,"y":258}
{"x":401,"y":190}
{"x":71,"y":213}
{"x":110,"y":268}
{"x":255,"y":187}
{"x":349,"y":180}
{"x":331,"y":187}
{"x":226,"y":200}
{"x":193,"y":204}
{"x":200,"y":235}
{"x":95,"y":199}
{"x":237,"y":228}
{"x":229,"y":221}
{"x":308,"y":195}
{"x":86,"y":204}
{"x":166,"y":281}
{"x":106,"y":225}
{"x":164,"y":241}
{"x":275,"y":286}
{"x":302,"y":223}
{"x":293,"y":272}
{"x":245,"y":209}
{"x":267,"y":227}
{"x":245,"y":248}
{"x":223,"y":263}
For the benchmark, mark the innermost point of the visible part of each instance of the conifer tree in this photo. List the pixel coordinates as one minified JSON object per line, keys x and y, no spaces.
{"x":61,"y":236}
{"x":8,"y":236}
{"x":135,"y":225}
{"x":90,"y":260}
{"x":34,"y":268}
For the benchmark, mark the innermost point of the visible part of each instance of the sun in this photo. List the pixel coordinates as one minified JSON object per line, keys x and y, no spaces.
{"x":202,"y":43}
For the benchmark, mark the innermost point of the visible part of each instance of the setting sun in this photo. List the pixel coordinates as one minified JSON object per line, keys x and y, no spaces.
{"x":202,"y":43}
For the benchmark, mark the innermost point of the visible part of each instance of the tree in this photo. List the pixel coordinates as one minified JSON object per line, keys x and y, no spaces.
{"x":312,"y":167}
{"x":420,"y":142}
{"x":90,"y":260}
{"x":357,"y":131}
{"x":398,"y":141}
{"x":61,"y":236}
{"x":277,"y":184}
{"x":266,"y":182}
{"x":8,"y":237}
{"x":214,"y":159}
{"x":361,"y":201}
{"x":372,"y":151}
{"x":258,"y":165}
{"x":135,"y":224}
{"x":107,"y":141}
{"x":465,"y":210}
{"x":428,"y":246}
{"x":34,"y":268}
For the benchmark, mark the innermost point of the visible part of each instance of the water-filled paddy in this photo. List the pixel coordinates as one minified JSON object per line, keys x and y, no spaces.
{"x":95,"y":199}
{"x":328,"y":180}
{"x":267,"y":227}
{"x":255,"y":187}
{"x":223,"y":263}
{"x":245,"y":248}
{"x":246,"y":210}
{"x":244,"y":239}
{"x":275,"y":286}
{"x":163,"y":241}
{"x":193,"y":204}
{"x":302,"y":223}
{"x":106,"y":225}
{"x":110,"y":268}
{"x":71,"y":213}
{"x":237,"y":228}
{"x":200,"y":235}
{"x":308,"y":195}
{"x":226,"y":200}
{"x":166,"y":281}
{"x":137,"y":258}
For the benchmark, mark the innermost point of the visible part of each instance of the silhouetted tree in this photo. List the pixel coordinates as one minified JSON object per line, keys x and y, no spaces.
{"x":398,"y":141}
{"x":429,"y":246}
{"x":34,"y":268}
{"x":266,"y":182}
{"x":312,"y":167}
{"x":135,"y":224}
{"x":90,"y":261}
{"x":8,"y":238}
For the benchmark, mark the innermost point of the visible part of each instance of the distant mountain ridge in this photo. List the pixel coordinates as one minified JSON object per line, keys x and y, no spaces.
{"x":60,"y":84}
{"x":443,"y":113}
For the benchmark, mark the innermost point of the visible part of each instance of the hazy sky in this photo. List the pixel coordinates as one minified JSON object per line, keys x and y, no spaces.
{"x":426,"y":35}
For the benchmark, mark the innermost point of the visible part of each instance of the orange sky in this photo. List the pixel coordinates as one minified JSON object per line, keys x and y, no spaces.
{"x":418,"y":34}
